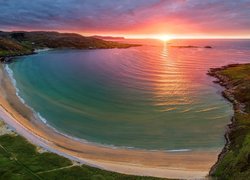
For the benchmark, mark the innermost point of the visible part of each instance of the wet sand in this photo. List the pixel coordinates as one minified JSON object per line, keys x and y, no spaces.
{"x":188,"y":165}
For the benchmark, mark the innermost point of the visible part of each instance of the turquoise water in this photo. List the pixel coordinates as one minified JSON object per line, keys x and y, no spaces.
{"x":149,"y":97}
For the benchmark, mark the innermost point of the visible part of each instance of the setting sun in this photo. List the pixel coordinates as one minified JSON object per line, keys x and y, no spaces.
{"x":164,"y":37}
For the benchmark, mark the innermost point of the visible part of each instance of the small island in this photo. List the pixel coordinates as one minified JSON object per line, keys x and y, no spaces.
{"x":190,"y":46}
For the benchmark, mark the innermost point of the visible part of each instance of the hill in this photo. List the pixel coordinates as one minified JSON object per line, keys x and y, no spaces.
{"x":20,"y":42}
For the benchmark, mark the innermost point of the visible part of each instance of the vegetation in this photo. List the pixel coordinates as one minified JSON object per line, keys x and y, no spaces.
{"x":20,"y":160}
{"x":19,"y":43}
{"x":234,"y":162}
{"x":12,"y":47}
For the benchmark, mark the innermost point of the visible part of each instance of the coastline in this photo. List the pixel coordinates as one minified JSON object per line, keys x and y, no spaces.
{"x":186,"y":165}
{"x":226,"y":93}
{"x":230,"y":84}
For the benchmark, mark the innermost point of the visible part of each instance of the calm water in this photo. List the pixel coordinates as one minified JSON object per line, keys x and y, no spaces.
{"x":149,"y":97}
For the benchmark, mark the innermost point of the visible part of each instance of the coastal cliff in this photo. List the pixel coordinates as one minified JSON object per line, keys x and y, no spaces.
{"x":234,"y":160}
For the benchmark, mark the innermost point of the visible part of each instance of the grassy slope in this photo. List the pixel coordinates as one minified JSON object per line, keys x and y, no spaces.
{"x":13,"y":43}
{"x":236,"y":162}
{"x":20,"y":160}
{"x":12,"y":47}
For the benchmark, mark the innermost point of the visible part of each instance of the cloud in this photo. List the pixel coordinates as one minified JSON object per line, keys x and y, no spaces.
{"x":128,"y":16}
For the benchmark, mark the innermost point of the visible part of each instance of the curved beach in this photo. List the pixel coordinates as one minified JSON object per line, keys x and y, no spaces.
{"x":193,"y":164}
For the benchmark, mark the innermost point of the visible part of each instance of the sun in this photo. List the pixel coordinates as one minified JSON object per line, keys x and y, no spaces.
{"x":164,"y":37}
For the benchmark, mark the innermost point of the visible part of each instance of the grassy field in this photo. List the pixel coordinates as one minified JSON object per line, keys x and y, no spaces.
{"x":20,"y":160}
{"x":236,"y":162}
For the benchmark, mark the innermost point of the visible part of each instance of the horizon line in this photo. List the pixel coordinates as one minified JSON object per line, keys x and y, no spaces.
{"x":142,"y":36}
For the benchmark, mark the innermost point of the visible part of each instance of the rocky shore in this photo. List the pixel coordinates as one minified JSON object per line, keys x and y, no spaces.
{"x":226,"y":82}
{"x":232,"y":78}
{"x":10,"y":58}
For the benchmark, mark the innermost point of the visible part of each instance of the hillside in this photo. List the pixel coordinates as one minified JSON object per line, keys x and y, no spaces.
{"x":12,"y":47}
{"x":18,"y":43}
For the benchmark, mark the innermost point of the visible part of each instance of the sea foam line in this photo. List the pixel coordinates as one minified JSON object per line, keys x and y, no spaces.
{"x":179,"y":150}
{"x":13,"y":81}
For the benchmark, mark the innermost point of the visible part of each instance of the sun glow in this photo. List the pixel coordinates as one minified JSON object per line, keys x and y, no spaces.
{"x":164,"y":37}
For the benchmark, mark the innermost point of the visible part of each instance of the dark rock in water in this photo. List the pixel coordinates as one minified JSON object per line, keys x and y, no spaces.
{"x":1,"y":59}
{"x":189,"y":46}
{"x":185,"y":46}
{"x":7,"y":59}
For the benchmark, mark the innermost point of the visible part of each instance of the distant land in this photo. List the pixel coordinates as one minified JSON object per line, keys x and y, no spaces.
{"x":108,"y":37}
{"x":22,"y":43}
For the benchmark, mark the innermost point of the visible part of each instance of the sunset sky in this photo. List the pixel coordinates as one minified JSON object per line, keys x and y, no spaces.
{"x":130,"y":18}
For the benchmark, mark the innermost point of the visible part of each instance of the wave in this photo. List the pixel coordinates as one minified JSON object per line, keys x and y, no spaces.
{"x":207,"y":109}
{"x":179,"y":150}
{"x":42,"y":50}
{"x":42,"y":118}
{"x":13,"y":81}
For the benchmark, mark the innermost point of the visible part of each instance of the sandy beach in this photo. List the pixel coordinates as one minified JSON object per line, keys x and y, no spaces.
{"x":185,"y":165}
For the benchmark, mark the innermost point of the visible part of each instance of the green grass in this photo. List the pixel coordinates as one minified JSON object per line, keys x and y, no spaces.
{"x":20,"y":160}
{"x":240,"y":78}
{"x":239,"y":72}
{"x":236,"y":162}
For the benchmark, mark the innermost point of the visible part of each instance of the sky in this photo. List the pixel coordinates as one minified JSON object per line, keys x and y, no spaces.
{"x":130,"y":18}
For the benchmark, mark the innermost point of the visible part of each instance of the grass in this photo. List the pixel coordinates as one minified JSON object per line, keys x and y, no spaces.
{"x":238,"y":72}
{"x":9,"y":47}
{"x":236,"y":162}
{"x":240,"y":78}
{"x":20,"y":160}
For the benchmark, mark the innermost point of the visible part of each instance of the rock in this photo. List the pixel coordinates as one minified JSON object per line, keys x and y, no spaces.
{"x":2,"y":59}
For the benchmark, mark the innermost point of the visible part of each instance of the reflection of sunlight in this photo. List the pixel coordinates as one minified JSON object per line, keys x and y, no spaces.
{"x":164,"y":52}
{"x":169,"y":82}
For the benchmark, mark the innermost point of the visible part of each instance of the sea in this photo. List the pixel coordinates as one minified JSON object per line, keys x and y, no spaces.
{"x":155,"y":97}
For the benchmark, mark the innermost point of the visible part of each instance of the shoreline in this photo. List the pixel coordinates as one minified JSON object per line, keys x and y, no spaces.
{"x":193,"y":164}
{"x":224,"y":82}
{"x":227,"y":93}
